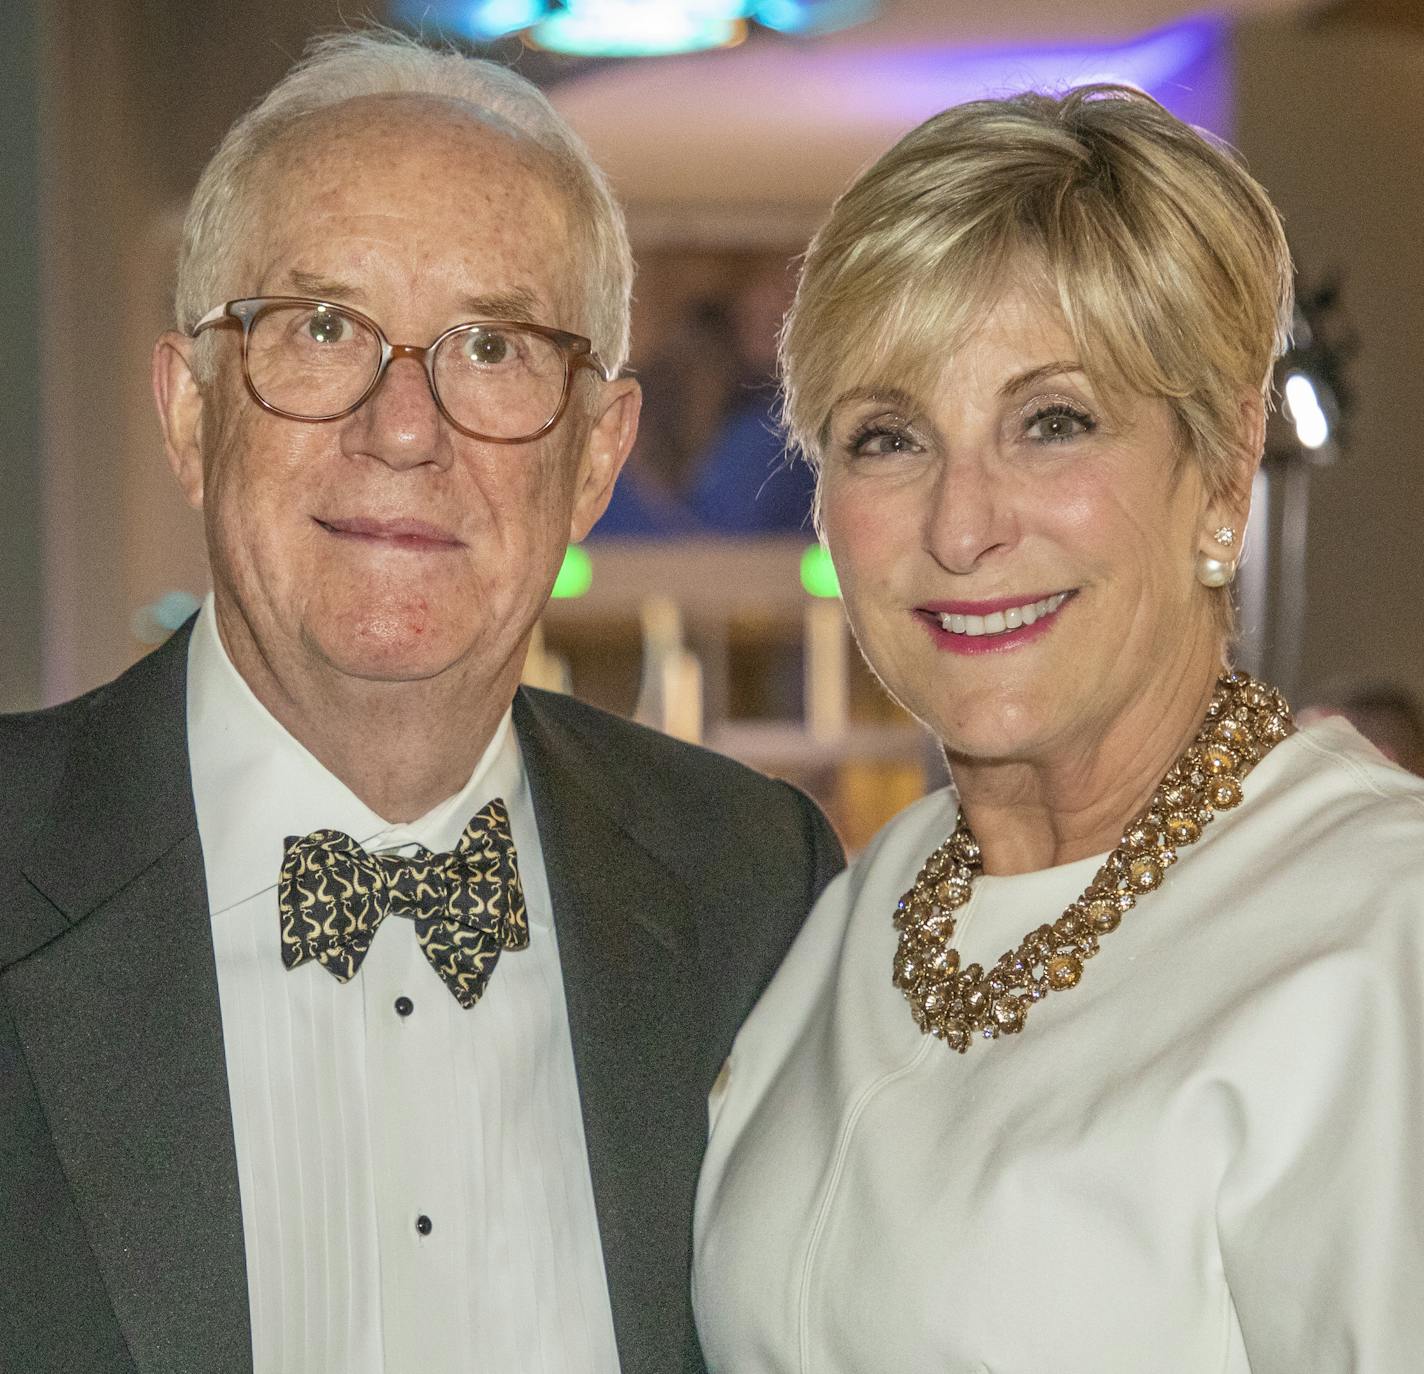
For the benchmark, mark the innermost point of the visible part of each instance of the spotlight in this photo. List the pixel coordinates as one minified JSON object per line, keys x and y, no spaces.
{"x":1303,"y":408}
{"x":1310,"y":379}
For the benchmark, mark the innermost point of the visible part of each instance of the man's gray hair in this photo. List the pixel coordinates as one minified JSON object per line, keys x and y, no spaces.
{"x":345,"y":66}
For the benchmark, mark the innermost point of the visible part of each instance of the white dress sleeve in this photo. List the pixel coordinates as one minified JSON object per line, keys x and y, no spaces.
{"x":1321,"y":1214}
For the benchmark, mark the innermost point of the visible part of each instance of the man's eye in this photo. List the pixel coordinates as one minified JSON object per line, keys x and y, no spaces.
{"x":1053,"y":424}
{"x":327,"y":327}
{"x":488,"y":349}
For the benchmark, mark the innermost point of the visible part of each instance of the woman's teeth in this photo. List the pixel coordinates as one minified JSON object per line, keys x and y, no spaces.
{"x":1000,"y":622}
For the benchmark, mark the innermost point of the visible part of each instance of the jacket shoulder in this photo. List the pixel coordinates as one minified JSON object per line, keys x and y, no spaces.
{"x":105,"y":743}
{"x":625,"y":745}
{"x":755,"y":851}
{"x":694,"y":807}
{"x":34,"y":746}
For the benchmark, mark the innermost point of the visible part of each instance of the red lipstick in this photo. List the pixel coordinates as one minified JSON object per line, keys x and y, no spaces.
{"x":933,"y":615}
{"x":1002,"y":603}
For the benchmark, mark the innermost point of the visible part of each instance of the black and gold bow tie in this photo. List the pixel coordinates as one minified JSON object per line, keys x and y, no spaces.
{"x":467,"y":905}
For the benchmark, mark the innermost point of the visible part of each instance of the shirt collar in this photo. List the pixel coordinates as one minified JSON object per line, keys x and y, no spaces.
{"x":255,"y":784}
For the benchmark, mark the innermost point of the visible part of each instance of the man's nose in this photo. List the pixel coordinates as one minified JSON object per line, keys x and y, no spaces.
{"x":399,"y":424}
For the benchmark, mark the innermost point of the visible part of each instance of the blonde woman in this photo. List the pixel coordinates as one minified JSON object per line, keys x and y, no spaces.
{"x":1111,"y":1056}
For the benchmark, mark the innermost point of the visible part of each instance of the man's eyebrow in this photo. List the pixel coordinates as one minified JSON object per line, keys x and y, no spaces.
{"x":1022,"y":380}
{"x":325,"y":288}
{"x":519,"y":303}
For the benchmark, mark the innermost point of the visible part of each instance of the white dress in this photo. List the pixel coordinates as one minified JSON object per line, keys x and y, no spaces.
{"x":1208,"y":1156}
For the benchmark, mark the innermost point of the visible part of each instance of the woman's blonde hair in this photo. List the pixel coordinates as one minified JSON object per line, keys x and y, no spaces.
{"x":1166,"y":258}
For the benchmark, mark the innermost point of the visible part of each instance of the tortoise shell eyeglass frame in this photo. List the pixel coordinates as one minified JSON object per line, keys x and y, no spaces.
{"x":577,"y":353}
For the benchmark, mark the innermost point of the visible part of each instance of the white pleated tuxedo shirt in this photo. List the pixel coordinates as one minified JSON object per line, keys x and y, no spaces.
{"x":1206,"y":1158}
{"x":415,"y":1187}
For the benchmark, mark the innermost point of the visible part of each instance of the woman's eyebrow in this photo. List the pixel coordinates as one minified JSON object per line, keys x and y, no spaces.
{"x":891,"y":395}
{"x":1019,"y":381}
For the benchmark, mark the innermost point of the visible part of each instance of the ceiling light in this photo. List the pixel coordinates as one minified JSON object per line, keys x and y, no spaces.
{"x":628,"y":28}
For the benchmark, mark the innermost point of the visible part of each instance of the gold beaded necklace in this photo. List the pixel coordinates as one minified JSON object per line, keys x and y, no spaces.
{"x":1245,"y":720}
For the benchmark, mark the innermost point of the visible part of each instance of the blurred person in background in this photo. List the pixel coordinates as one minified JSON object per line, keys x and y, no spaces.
{"x":1109,"y":1057}
{"x":727,"y":472}
{"x":682,"y":385}
{"x":745,"y":481}
{"x":358,"y":1009}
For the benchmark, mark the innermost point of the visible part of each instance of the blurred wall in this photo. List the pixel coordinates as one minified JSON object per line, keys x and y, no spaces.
{"x":135,"y":97}
{"x":20,"y":465}
{"x":1331,"y":119}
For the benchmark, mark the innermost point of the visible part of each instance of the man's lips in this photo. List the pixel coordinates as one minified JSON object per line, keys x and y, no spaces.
{"x":407,"y":534}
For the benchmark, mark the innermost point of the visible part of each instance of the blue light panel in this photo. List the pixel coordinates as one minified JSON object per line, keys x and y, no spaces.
{"x":810,"y":16}
{"x":479,"y":21}
{"x":627,"y":28}
{"x":640,"y":28}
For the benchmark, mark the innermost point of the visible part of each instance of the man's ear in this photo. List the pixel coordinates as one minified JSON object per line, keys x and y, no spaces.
{"x":180,"y":411}
{"x":606,"y":449}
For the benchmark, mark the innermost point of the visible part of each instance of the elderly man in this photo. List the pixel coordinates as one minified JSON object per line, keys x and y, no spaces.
{"x":358,"y":1009}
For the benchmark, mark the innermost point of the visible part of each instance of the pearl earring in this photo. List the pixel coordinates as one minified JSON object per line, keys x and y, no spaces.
{"x":1215,"y":572}
{"x":1225,"y":536}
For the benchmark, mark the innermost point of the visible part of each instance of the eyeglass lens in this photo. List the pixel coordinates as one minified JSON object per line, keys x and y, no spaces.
{"x":317,"y":361}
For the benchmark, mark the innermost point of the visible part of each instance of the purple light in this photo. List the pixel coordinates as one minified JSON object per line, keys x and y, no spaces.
{"x":1182,"y":65}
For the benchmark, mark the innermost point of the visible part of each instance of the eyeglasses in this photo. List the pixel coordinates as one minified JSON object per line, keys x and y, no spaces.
{"x":502,"y":381}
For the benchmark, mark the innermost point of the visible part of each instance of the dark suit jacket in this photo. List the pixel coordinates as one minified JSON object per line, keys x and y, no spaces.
{"x":678,"y":878}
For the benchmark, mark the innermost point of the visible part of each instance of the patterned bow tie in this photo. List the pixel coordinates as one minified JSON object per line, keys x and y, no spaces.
{"x":467,"y":905}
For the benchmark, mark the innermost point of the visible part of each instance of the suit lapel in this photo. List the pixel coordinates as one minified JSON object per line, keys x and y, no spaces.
{"x":119,"y":1021}
{"x":628,"y":951}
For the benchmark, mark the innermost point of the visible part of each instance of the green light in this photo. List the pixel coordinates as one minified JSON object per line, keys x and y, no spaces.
{"x":818,"y":573}
{"x":575,"y":576}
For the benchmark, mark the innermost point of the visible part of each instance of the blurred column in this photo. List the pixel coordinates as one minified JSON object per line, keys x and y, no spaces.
{"x":21,"y":583}
{"x":97,"y":191}
{"x":827,"y":690}
{"x":133,"y":98}
{"x":670,"y":695}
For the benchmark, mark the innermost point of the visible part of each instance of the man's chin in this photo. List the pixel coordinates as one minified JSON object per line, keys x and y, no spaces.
{"x":393,"y":653}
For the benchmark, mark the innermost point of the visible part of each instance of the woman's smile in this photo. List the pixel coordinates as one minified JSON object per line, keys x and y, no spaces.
{"x":980,"y":627}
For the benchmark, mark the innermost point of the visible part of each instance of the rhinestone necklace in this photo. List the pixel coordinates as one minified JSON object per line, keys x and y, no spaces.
{"x":1244,"y":721}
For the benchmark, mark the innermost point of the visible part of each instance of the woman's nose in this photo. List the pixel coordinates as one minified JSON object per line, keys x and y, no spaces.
{"x":970,"y":515}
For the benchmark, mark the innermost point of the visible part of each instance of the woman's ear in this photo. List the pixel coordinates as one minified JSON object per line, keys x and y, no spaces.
{"x":1230,"y":508}
{"x":1253,"y":438}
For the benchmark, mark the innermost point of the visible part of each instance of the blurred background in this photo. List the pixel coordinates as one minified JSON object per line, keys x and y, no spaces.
{"x":701,"y":604}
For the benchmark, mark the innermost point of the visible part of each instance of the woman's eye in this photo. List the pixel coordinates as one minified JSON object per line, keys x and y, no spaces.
{"x":1056,"y":423}
{"x":875,"y":442}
